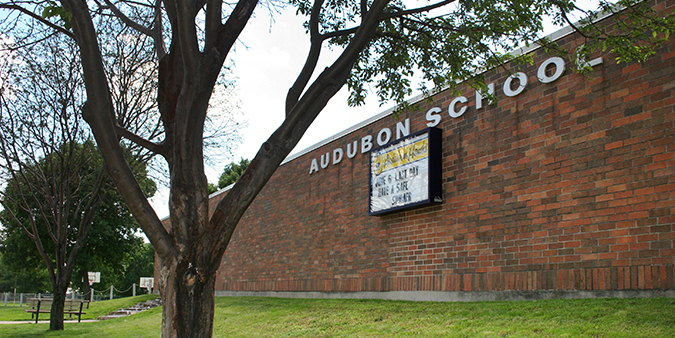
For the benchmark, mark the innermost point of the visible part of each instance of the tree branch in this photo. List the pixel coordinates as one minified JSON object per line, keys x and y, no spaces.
{"x":386,"y":16}
{"x":312,"y":58}
{"x":230,"y":31}
{"x":283,"y":140}
{"x":213,"y":21}
{"x":415,"y":10}
{"x":157,"y":31}
{"x":34,"y":236}
{"x":154,"y":147}
{"x":330,"y":35}
{"x":99,"y":113}
{"x":87,"y":217}
{"x":316,"y":39}
{"x":39,"y":18}
{"x":187,"y":35}
{"x":131,"y":23}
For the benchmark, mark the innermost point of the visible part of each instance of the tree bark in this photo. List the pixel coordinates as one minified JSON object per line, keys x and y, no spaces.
{"x":188,"y":299}
{"x":86,"y":289}
{"x":59,"y":298}
{"x":187,"y":277}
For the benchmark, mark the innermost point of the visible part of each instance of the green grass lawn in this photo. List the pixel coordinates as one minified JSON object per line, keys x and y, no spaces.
{"x":274,"y":317}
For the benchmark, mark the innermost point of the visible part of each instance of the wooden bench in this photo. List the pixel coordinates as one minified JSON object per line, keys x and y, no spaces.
{"x":44,"y":305}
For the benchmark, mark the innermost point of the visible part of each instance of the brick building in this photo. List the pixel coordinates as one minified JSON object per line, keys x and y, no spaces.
{"x":565,"y":187}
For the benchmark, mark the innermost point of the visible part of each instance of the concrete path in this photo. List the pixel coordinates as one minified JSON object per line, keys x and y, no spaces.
{"x":140,"y":307}
{"x":45,"y":321}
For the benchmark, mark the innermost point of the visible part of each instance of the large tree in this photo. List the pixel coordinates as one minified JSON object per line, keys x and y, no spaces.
{"x":380,"y":40}
{"x":141,"y":263}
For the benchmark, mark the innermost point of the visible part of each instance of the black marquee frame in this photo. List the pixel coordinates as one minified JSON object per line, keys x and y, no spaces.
{"x":435,"y":172}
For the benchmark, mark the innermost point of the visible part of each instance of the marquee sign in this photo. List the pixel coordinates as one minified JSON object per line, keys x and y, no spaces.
{"x":406,"y":173}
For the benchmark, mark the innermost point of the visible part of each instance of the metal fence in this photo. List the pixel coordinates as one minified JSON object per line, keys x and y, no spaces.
{"x":19,"y":299}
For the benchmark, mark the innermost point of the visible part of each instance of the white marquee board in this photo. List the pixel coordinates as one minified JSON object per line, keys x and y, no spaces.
{"x":406,"y":173}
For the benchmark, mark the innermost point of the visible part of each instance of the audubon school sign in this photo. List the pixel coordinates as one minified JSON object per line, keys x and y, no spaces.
{"x":548,"y":71}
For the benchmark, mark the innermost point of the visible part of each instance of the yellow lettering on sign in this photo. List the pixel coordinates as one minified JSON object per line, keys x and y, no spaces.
{"x":401,"y":156}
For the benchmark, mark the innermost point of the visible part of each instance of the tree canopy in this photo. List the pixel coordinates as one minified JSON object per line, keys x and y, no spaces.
{"x":31,"y":278}
{"x":231,"y":174}
{"x":112,"y":240}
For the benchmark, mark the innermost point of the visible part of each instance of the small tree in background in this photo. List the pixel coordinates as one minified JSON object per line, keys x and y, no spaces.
{"x":232,"y":172}
{"x":55,"y":184}
{"x":141,"y":263}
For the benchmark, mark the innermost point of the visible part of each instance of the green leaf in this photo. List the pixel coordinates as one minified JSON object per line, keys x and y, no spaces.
{"x":62,"y":13}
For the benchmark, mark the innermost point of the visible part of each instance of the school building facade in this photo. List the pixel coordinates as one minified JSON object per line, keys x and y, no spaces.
{"x":563,"y":187}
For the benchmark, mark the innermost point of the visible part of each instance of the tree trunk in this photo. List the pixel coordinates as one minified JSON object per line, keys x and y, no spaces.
{"x":86,"y":289}
{"x":188,"y":299}
{"x":56,"y":312}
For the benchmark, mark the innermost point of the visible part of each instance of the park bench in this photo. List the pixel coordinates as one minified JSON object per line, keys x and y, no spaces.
{"x":44,"y":305}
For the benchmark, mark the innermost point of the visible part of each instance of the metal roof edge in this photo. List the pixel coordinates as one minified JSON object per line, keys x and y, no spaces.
{"x":351,"y":129}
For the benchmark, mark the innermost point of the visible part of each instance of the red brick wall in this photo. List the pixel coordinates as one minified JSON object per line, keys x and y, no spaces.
{"x":567,"y":186}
